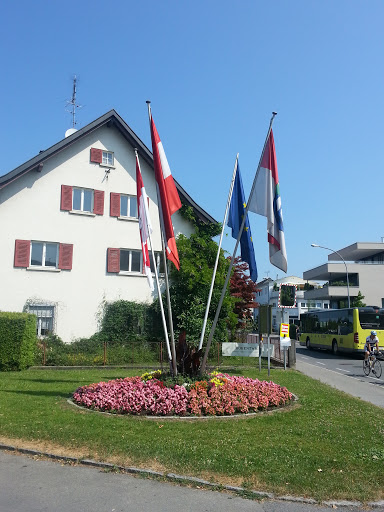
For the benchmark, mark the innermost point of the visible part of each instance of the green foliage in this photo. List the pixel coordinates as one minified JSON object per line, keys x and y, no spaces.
{"x":189,"y":287}
{"x":357,"y":302}
{"x":18,"y":340}
{"x":129,"y":321}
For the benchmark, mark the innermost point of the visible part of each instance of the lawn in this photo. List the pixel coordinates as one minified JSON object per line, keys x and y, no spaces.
{"x":329,"y":445}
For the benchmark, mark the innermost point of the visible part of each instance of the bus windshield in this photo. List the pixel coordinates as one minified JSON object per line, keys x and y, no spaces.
{"x":371,"y":319}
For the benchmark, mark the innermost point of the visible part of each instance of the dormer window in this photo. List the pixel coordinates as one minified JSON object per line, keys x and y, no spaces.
{"x":99,"y":156}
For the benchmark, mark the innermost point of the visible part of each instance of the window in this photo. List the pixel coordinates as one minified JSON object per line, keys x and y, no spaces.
{"x":128,"y":206}
{"x":107,"y":158}
{"x":43,"y":255}
{"x":326,"y":306}
{"x":82,"y":199}
{"x":99,"y":156}
{"x":87,"y":200}
{"x":318,"y":304}
{"x":45,"y":316}
{"x":159,"y":263}
{"x":124,"y":260}
{"x":123,"y":205}
{"x":130,"y":261}
{"x":303,"y":304}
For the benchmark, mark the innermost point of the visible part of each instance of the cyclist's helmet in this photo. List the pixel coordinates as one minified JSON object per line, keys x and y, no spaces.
{"x":373,"y":333}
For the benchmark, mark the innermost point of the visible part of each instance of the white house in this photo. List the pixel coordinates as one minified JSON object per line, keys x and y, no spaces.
{"x":69,"y":230}
{"x":269,"y":294}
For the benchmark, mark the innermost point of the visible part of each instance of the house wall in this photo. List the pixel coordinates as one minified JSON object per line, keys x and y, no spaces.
{"x":30,"y":210}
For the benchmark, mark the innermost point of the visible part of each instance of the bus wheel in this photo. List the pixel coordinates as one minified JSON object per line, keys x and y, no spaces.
{"x":334,"y":347}
{"x":307,"y":344}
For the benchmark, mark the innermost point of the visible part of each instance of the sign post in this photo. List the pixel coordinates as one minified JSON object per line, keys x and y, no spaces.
{"x":285,"y":341}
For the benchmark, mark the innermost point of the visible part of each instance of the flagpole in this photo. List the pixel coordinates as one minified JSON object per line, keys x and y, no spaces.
{"x":218,"y":253}
{"x":202,"y":370}
{"x":157,"y":280}
{"x":170,"y":320}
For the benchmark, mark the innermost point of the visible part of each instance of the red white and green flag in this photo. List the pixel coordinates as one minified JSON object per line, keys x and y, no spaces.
{"x":265,"y":200}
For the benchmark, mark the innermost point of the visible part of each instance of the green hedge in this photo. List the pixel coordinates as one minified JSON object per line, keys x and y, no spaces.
{"x":18,"y":340}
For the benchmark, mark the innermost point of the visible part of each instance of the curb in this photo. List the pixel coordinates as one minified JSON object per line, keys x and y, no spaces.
{"x":172,"y":477}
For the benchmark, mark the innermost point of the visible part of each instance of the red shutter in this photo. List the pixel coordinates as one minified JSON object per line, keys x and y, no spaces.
{"x":66,"y":198}
{"x":113,"y":264}
{"x":22,"y":253}
{"x":114,"y":206}
{"x":65,"y":256}
{"x":98,"y":202}
{"x":96,"y":155}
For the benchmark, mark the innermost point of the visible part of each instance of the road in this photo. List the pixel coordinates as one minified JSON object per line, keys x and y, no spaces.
{"x":342,"y":372}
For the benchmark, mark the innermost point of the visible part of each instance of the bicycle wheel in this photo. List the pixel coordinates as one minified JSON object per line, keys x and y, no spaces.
{"x":366,"y":368}
{"x":376,"y":369}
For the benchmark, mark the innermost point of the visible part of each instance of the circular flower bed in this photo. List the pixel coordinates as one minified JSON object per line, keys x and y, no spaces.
{"x":220,"y":394}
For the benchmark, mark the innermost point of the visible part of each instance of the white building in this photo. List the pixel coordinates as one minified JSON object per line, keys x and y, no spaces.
{"x":350,"y":270}
{"x":69,"y":230}
{"x":269,"y":294}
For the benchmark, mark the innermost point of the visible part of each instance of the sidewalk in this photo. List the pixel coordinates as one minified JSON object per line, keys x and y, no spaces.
{"x":31,"y":484}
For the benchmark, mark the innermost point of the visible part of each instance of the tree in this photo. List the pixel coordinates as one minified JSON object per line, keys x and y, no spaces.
{"x":243,"y":289}
{"x":357,"y":302}
{"x":189,"y":287}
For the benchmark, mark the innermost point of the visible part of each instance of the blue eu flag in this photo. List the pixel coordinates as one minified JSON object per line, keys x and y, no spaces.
{"x":235,"y":218}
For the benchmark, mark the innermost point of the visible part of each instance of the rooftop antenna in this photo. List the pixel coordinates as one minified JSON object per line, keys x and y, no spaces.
{"x":72,"y":110}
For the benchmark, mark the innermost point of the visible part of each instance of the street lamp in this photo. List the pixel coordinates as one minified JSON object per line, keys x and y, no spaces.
{"x":346,"y":270}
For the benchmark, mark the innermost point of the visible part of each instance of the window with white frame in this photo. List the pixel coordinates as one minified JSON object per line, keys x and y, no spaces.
{"x":303,"y":304}
{"x":128,"y":206}
{"x":45,"y":318}
{"x":44,"y":254}
{"x":131,"y":261}
{"x":82,"y":200}
{"x":159,"y":263}
{"x":107,"y":158}
{"x":326,"y":306}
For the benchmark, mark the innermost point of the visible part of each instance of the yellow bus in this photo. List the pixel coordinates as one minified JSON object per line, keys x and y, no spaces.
{"x":341,"y":330}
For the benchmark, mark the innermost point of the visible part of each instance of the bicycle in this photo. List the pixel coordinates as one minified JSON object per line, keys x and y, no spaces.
{"x":373,"y":365}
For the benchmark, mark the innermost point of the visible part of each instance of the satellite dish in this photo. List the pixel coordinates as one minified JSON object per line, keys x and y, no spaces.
{"x":70,"y":132}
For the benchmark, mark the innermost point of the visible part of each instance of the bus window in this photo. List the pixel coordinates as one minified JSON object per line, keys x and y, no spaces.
{"x":373,"y":319}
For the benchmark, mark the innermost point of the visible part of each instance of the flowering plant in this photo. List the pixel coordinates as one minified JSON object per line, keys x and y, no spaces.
{"x":221,"y":394}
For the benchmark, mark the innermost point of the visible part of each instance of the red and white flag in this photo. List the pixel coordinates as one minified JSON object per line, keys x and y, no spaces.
{"x":144,"y":222}
{"x":167,"y":192}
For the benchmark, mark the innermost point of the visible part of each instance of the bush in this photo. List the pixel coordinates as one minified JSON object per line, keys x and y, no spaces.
{"x":18,"y":341}
{"x":131,"y":321}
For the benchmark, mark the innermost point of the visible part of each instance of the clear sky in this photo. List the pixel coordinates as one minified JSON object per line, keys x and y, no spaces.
{"x":214,"y":71}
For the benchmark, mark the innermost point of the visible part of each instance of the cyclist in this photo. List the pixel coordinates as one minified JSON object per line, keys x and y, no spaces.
{"x":371,"y":343}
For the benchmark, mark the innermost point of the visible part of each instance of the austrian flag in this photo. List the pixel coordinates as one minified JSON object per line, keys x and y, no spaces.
{"x":169,"y":201}
{"x":144,"y":223}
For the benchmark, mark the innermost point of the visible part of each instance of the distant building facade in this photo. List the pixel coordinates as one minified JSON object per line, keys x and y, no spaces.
{"x":269,"y":294}
{"x":364,"y":263}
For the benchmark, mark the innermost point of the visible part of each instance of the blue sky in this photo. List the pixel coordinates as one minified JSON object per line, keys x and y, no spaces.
{"x":214,"y":71}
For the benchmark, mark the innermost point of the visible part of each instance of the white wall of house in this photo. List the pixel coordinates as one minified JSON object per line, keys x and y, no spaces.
{"x":30,"y":210}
